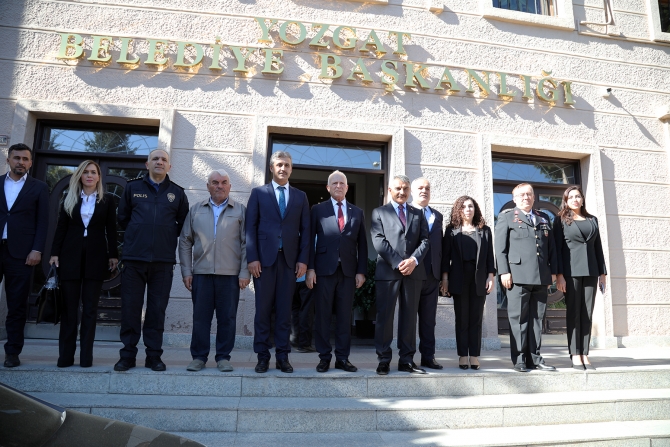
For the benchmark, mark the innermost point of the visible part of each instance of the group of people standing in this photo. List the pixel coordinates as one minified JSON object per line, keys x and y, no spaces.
{"x":275,"y":241}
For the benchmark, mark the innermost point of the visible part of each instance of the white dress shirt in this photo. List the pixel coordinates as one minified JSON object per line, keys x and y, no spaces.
{"x":276,"y":185}
{"x":217,"y":210}
{"x":430,"y":215}
{"x":87,"y":209}
{"x":12,"y":190}
{"x":336,"y":208}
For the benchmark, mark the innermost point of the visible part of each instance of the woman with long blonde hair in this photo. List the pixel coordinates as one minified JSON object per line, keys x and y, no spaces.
{"x":84,"y":250}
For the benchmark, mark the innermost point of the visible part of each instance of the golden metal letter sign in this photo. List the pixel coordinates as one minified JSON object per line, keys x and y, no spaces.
{"x":339,"y":52}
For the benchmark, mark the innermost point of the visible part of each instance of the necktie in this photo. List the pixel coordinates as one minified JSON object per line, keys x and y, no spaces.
{"x":425,"y":213}
{"x":340,"y":216}
{"x":282,"y":208}
{"x":401,"y":215}
{"x":282,"y":201}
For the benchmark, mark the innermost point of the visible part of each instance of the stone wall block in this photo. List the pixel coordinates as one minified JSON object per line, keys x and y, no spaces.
{"x":218,"y":132}
{"x":446,"y":184}
{"x":445,"y":148}
{"x":191,"y":169}
{"x":627,"y":164}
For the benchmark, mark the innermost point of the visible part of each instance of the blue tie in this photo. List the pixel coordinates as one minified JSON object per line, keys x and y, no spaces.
{"x":282,"y":207}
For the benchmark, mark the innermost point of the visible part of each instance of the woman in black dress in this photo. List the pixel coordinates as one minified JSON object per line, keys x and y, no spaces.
{"x":84,"y":250}
{"x":581,"y":271}
{"x":468,"y":270}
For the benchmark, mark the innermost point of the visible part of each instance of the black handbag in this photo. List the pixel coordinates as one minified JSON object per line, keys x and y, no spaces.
{"x":49,"y":302}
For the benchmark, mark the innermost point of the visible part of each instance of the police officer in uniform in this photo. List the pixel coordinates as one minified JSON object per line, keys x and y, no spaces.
{"x":152,"y":212}
{"x":527,"y":265}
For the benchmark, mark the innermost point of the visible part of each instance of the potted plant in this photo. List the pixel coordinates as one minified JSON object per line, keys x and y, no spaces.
{"x":364,"y":299}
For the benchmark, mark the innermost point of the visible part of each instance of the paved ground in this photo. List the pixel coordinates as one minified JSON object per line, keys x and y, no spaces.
{"x":45,"y":353}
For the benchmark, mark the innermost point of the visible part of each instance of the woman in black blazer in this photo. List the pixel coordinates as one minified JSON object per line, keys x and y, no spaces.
{"x":467,"y":275}
{"x":581,"y":270}
{"x":84,"y":250}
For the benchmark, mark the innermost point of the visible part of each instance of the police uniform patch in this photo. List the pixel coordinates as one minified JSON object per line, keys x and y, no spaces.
{"x":171,"y":197}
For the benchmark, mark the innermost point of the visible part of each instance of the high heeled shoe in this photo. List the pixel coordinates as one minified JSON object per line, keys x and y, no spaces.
{"x":462,"y":366}
{"x":475,"y":367}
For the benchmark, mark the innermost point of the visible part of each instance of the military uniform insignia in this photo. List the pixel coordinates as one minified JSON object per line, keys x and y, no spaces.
{"x":171,"y":197}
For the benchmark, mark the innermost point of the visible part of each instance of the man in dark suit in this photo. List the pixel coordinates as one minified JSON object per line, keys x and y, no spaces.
{"x":527,"y":265}
{"x":432,"y":263}
{"x":338,"y":256}
{"x":24,"y":209}
{"x":400,"y":236}
{"x":277,"y":230}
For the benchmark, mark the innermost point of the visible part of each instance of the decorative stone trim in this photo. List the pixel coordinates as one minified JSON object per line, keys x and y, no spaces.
{"x":655,"y":22}
{"x":564,"y":20}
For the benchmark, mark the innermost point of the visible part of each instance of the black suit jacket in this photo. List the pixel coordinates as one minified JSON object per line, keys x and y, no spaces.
{"x":349,"y":246}
{"x":265,"y":227}
{"x":100,"y":241}
{"x":435,"y":246}
{"x":577,"y":255}
{"x":28,"y":220}
{"x":394,"y":245}
{"x":452,"y":259}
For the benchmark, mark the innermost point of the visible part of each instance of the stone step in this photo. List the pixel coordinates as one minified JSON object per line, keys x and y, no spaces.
{"x":601,"y":434}
{"x":334,"y":415}
{"x":243,"y":382}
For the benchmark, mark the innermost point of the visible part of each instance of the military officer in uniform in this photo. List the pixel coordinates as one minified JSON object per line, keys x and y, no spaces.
{"x":527,"y":265}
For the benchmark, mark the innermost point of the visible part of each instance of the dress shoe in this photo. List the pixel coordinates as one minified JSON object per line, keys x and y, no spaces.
{"x":432,"y":364}
{"x":85,"y":364}
{"x":410,"y":368}
{"x":64,"y":363}
{"x":155,"y":363}
{"x":345,"y":365}
{"x":12,"y":361}
{"x":262,"y":366}
{"x":323,"y":366}
{"x":284,"y":366}
{"x":304,"y":349}
{"x":520,"y":367}
{"x":589,"y":366}
{"x":463,"y":363}
{"x":383,"y":368}
{"x":543,"y":367}
{"x":124,"y":364}
{"x":579,"y":367}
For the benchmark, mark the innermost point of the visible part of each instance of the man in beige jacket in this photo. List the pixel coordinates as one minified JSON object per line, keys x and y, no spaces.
{"x":212,"y":254}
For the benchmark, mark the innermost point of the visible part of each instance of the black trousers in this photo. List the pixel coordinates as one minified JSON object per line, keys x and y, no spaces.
{"x":334,"y":290}
{"x":302,"y":315}
{"x":526,"y":305}
{"x":274,"y":289}
{"x":17,"y":287}
{"x":156,"y":278}
{"x":88,"y":292}
{"x":579,"y":300}
{"x":469,"y":312}
{"x":406,"y":292}
{"x":427,"y":316}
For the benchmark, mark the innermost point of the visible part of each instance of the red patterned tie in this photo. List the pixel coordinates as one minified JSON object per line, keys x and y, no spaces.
{"x":340,"y":216}
{"x":401,"y":214}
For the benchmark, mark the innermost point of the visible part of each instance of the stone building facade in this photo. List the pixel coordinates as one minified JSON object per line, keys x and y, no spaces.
{"x":460,"y":92}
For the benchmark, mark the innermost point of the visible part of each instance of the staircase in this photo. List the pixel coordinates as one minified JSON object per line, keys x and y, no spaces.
{"x":610,"y":406}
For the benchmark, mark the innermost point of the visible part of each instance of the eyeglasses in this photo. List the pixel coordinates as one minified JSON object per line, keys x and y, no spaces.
{"x":524,"y":194}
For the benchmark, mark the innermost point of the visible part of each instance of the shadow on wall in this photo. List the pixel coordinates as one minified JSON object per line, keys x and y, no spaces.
{"x":617,"y":264}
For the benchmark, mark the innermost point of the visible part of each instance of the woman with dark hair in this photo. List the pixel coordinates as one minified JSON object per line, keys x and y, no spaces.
{"x":468,"y":270}
{"x":84,"y":250}
{"x":581,"y":270}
